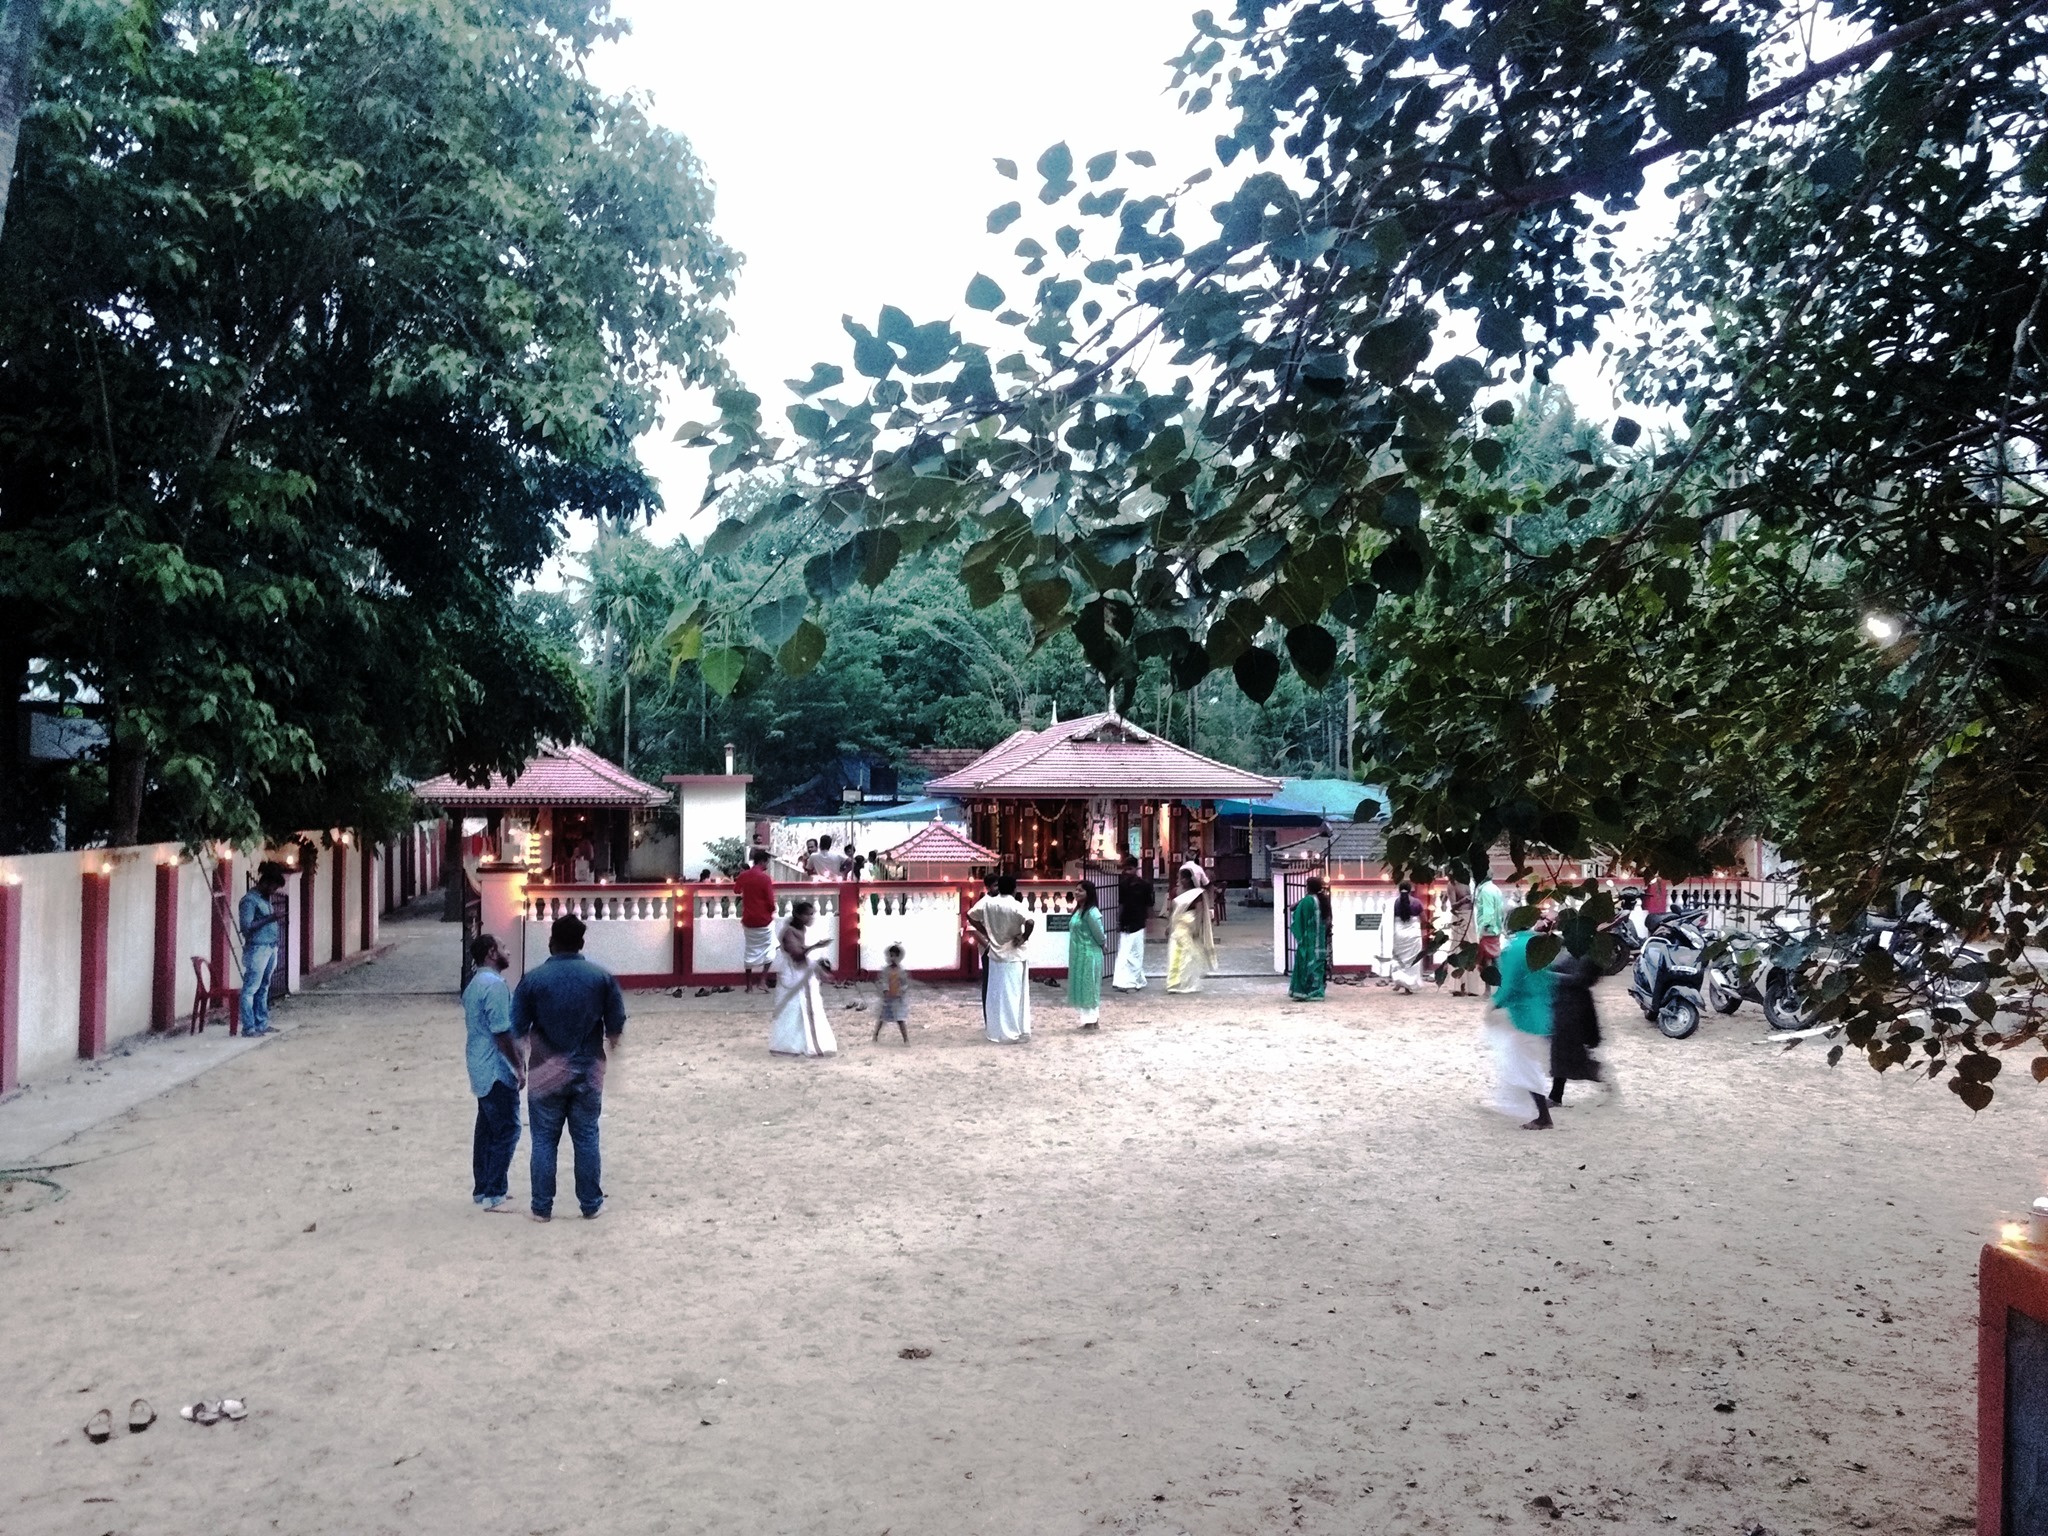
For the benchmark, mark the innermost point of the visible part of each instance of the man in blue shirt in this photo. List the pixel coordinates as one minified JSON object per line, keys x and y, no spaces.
{"x":260,"y":929}
{"x":568,"y":1011}
{"x":496,"y":1071}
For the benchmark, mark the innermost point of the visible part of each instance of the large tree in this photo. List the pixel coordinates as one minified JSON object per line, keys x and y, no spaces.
{"x":1817,"y":613}
{"x":317,"y":322}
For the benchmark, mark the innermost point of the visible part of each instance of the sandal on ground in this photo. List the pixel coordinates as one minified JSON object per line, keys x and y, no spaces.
{"x":99,"y":1427}
{"x":140,"y":1416}
{"x":233,"y":1408}
{"x":200,"y":1413}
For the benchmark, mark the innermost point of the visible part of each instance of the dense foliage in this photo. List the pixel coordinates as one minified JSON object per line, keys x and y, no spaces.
{"x":317,"y":321}
{"x":1278,"y":440}
{"x":910,"y":663}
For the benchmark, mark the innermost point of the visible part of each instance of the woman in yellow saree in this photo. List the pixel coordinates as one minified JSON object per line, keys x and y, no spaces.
{"x":1191,"y":944}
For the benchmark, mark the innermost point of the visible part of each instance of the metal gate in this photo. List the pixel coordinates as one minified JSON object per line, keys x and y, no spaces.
{"x":1294,"y":886}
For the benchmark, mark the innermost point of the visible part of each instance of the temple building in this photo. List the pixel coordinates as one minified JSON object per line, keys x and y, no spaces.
{"x":1081,"y":794}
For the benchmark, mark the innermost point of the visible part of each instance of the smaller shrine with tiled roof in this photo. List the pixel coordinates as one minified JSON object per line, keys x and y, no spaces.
{"x":567,"y":815}
{"x":941,"y":852}
{"x":1085,"y":792}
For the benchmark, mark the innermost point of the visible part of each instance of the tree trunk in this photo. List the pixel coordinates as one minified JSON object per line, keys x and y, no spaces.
{"x":127,"y":773}
{"x":21,"y":34}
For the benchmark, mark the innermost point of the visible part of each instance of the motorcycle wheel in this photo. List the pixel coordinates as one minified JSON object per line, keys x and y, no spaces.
{"x":1679,"y":1017}
{"x":1781,"y":1003}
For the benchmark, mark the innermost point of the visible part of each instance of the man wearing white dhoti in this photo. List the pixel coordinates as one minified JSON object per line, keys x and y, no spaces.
{"x":1133,"y":907}
{"x":800,"y":1027}
{"x":1004,"y":928}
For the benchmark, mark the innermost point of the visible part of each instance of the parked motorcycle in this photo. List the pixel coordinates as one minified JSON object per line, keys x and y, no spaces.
{"x":1676,"y":978}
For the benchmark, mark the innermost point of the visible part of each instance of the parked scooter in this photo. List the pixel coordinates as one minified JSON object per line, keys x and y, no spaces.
{"x":1674,"y":981}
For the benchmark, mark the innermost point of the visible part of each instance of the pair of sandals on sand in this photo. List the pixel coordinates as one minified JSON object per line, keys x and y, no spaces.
{"x":100,"y":1427}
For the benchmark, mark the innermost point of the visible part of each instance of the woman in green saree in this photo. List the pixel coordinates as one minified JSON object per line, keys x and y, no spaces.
{"x":1311,"y":945}
{"x":1085,"y":943}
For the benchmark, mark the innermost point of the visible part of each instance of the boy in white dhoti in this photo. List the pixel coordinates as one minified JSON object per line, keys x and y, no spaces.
{"x":1004,"y":928}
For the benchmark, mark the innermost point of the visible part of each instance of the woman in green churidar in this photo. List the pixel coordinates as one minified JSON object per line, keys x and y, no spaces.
{"x":1311,"y":953}
{"x":1085,"y":943}
{"x":1519,"y":1040}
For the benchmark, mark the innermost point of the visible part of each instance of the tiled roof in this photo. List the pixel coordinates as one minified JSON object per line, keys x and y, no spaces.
{"x":1100,"y":755}
{"x":940,"y":844}
{"x":567,"y":776}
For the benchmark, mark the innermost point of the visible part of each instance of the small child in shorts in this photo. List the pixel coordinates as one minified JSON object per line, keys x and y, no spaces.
{"x":895,"y":995}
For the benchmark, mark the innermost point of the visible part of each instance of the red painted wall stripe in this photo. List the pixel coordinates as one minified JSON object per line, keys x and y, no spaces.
{"x":94,"y":898}
{"x":223,"y":875}
{"x":163,"y":979}
{"x":338,"y":904}
{"x":10,"y":987}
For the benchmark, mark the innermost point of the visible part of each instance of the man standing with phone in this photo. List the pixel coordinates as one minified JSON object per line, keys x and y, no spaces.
{"x":497,"y":1072}
{"x":256,"y":917}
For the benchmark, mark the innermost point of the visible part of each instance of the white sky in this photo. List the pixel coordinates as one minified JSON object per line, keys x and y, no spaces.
{"x":852,"y":149}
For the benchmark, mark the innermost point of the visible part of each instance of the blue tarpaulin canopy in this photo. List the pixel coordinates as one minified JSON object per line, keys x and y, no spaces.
{"x":1305,"y":802}
{"x":917,"y":810}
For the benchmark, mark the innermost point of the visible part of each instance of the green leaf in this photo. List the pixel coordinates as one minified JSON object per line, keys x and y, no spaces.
{"x":1399,"y":569}
{"x":983,"y":293}
{"x":1099,"y":166}
{"x":1498,"y":414}
{"x":810,"y":422}
{"x":1057,"y":163}
{"x":1000,"y":219}
{"x":1006,"y":169}
{"x":804,"y":649}
{"x":1392,"y":350}
{"x":721,"y":669}
{"x":1258,"y":673}
{"x":823,"y":376}
{"x":1489,"y":453}
{"x":1140,"y":157}
{"x":728,"y":536}
{"x":1102,"y":272}
{"x":1314,"y":653}
{"x":1401,"y":508}
{"x":877,"y":550}
{"x":1543,"y":949}
{"x":775,"y":622}
{"x":1626,"y":431}
{"x":1045,"y":599}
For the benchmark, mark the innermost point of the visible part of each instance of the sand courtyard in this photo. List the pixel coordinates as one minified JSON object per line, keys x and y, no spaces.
{"x":1231,"y":1265}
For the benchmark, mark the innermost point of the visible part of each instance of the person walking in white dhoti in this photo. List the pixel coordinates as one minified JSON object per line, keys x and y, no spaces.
{"x":1004,"y":928}
{"x":1133,"y":908}
{"x":800,"y":1026}
{"x":1408,"y":914}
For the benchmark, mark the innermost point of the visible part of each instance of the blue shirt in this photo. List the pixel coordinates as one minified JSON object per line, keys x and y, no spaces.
{"x":258,"y":921}
{"x":487,"y":1009}
{"x":564,"y":1009}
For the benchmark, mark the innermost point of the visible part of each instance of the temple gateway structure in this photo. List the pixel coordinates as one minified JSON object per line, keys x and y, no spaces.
{"x":1056,"y":803}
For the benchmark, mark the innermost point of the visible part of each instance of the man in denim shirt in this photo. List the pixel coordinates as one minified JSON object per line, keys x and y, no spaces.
{"x":496,"y":1072}
{"x":256,"y":917}
{"x":569,"y":1012}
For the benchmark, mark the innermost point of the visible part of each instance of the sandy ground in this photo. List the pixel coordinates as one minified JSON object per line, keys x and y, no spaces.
{"x":1232,"y":1265}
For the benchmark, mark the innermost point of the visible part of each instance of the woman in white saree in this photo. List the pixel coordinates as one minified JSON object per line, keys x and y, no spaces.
{"x":800,"y":1027}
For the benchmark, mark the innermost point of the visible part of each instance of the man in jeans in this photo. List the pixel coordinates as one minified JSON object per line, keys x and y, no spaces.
{"x":256,"y":917}
{"x":496,"y":1072}
{"x":569,"y":1012}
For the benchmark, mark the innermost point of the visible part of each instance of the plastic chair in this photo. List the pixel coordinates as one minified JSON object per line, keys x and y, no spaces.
{"x":207,"y":1001}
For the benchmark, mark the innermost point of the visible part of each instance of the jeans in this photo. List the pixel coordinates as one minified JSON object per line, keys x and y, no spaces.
{"x":579,"y":1101}
{"x":259,"y":963}
{"x":497,"y":1134}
